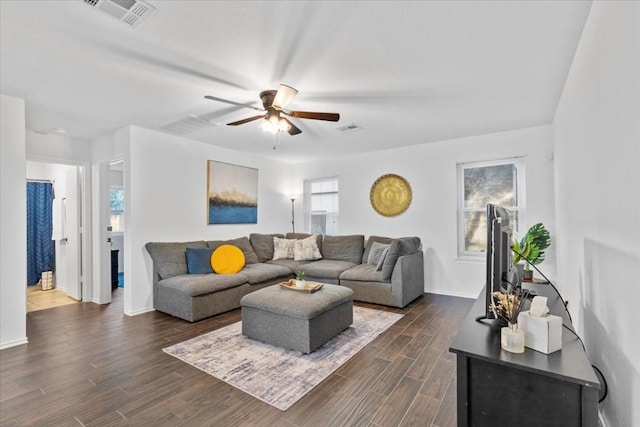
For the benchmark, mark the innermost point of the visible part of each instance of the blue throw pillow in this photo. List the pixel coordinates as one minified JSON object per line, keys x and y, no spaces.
{"x":199,"y":260}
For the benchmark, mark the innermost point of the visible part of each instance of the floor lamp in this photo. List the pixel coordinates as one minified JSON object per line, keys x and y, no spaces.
{"x":293,"y":221}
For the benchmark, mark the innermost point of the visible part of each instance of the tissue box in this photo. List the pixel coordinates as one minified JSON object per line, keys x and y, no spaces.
{"x":543,"y":334}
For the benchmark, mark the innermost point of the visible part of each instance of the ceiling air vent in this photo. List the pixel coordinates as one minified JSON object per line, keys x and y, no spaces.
{"x":351,"y":127}
{"x":189,"y":124}
{"x":131,"y":12}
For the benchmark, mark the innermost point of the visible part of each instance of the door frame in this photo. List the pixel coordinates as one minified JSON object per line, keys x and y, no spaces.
{"x":85,"y":253}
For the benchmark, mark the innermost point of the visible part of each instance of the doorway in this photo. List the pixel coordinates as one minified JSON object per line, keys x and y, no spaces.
{"x":65,"y":214}
{"x":116,"y":223}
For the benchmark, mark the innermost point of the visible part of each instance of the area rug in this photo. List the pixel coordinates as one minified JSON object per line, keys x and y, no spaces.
{"x":272,"y":374}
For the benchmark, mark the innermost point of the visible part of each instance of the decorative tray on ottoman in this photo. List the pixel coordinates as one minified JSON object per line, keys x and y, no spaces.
{"x":309,"y":287}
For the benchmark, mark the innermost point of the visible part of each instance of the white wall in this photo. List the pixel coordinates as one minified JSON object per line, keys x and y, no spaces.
{"x":54,"y":148}
{"x":430,"y":169}
{"x":165,"y":199}
{"x":13,"y":223}
{"x":597,"y":143}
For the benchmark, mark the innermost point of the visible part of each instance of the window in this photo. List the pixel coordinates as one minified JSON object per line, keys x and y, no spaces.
{"x":321,"y":206}
{"x":116,"y":207}
{"x":500,"y":182}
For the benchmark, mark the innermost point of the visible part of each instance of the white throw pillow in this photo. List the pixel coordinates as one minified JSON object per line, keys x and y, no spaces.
{"x":283,"y":248}
{"x":306,"y":249}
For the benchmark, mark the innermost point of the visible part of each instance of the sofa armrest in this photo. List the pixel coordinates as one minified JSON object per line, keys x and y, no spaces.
{"x":407,"y":279}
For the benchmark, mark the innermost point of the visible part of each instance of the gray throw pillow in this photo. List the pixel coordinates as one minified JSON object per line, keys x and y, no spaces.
{"x":375,"y":252}
{"x":382,"y":258}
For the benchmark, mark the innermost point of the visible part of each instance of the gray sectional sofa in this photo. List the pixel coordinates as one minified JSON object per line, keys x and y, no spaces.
{"x":395,"y":278}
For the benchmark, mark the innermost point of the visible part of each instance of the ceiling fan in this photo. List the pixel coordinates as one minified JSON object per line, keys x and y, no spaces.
{"x":274,"y":103}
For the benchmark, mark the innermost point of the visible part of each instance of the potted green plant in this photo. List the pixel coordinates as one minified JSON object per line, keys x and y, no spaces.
{"x":530,"y":248}
{"x":300,"y":282}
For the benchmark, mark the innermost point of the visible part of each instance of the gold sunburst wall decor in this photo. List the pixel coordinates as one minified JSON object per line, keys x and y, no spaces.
{"x":390,"y":195}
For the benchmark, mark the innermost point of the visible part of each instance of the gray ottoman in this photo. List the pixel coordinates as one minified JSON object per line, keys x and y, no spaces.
{"x":297,"y":320}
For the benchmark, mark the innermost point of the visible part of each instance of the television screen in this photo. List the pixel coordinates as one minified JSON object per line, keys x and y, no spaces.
{"x":501,"y":273}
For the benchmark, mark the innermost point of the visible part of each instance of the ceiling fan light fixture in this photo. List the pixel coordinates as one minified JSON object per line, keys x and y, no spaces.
{"x":273,"y":123}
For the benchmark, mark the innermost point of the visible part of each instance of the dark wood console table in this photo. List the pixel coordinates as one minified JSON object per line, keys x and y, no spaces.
{"x":498,"y":388}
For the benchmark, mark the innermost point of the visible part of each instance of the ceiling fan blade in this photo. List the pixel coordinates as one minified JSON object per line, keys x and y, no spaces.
{"x":247,"y":120}
{"x":284,"y":96}
{"x":330,"y":117}
{"x":213,"y":98}
{"x":293,"y":129}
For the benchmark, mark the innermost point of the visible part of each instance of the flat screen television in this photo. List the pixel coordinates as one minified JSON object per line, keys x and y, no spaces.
{"x":502,"y":275}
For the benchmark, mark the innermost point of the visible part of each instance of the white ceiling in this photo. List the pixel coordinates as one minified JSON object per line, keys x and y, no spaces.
{"x":407,"y":72}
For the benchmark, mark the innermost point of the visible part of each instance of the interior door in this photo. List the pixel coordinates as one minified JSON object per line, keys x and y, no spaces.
{"x":73,"y":245}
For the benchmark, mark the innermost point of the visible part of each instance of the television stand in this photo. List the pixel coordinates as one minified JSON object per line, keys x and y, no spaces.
{"x":531,"y":389}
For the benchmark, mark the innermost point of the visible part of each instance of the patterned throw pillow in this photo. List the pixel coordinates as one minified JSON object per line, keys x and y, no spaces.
{"x":306,"y":249}
{"x":283,"y":248}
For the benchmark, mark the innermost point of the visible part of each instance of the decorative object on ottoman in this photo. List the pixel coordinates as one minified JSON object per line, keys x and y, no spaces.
{"x":296,"y":320}
{"x":300,"y":283}
{"x":227,"y":259}
{"x":390,"y":195}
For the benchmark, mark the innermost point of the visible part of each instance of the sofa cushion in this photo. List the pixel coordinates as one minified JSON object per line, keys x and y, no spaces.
{"x":169,"y":257}
{"x":377,"y":252}
{"x":325,"y":268}
{"x":199,"y":260}
{"x":194,"y":285}
{"x":343,"y":248}
{"x":306,"y":249}
{"x":370,"y":241}
{"x":243,"y":243}
{"x":262,"y":272}
{"x":227,"y":259}
{"x":291,"y":264}
{"x":263,"y":245}
{"x":363,"y":273}
{"x":283,"y":248}
{"x":398,"y":248}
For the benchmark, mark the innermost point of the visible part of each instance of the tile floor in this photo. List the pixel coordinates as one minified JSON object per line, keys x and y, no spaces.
{"x":37,"y":299}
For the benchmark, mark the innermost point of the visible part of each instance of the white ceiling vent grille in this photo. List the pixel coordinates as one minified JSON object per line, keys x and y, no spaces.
{"x":131,"y":12}
{"x":351,"y":127}
{"x":189,"y":124}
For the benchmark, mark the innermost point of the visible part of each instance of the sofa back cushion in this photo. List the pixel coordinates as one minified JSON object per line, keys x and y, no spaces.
{"x":398,"y":248}
{"x":169,"y":258}
{"x":343,"y":248}
{"x":242,"y":243}
{"x":263,"y":245}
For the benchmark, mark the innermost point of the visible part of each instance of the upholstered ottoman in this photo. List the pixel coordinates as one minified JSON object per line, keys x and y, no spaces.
{"x":297,"y":320}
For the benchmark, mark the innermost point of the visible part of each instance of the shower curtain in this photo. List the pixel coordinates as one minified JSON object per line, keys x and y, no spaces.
{"x":40,"y":247}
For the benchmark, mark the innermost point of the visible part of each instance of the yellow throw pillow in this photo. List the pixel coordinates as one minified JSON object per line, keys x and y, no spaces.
{"x":227,"y":259}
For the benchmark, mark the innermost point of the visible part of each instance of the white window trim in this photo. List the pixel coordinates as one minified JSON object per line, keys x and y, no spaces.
{"x":518,"y":162}
{"x":307,"y":198}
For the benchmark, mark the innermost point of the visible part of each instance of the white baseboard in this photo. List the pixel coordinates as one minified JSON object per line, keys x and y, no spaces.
{"x":141,"y":311}
{"x":14,"y":343}
{"x":450,"y":293}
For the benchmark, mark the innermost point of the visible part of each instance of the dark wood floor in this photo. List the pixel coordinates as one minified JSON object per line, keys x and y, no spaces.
{"x":91,"y":365}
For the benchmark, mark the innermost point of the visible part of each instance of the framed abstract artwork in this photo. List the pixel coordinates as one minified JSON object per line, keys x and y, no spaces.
{"x":232,"y":194}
